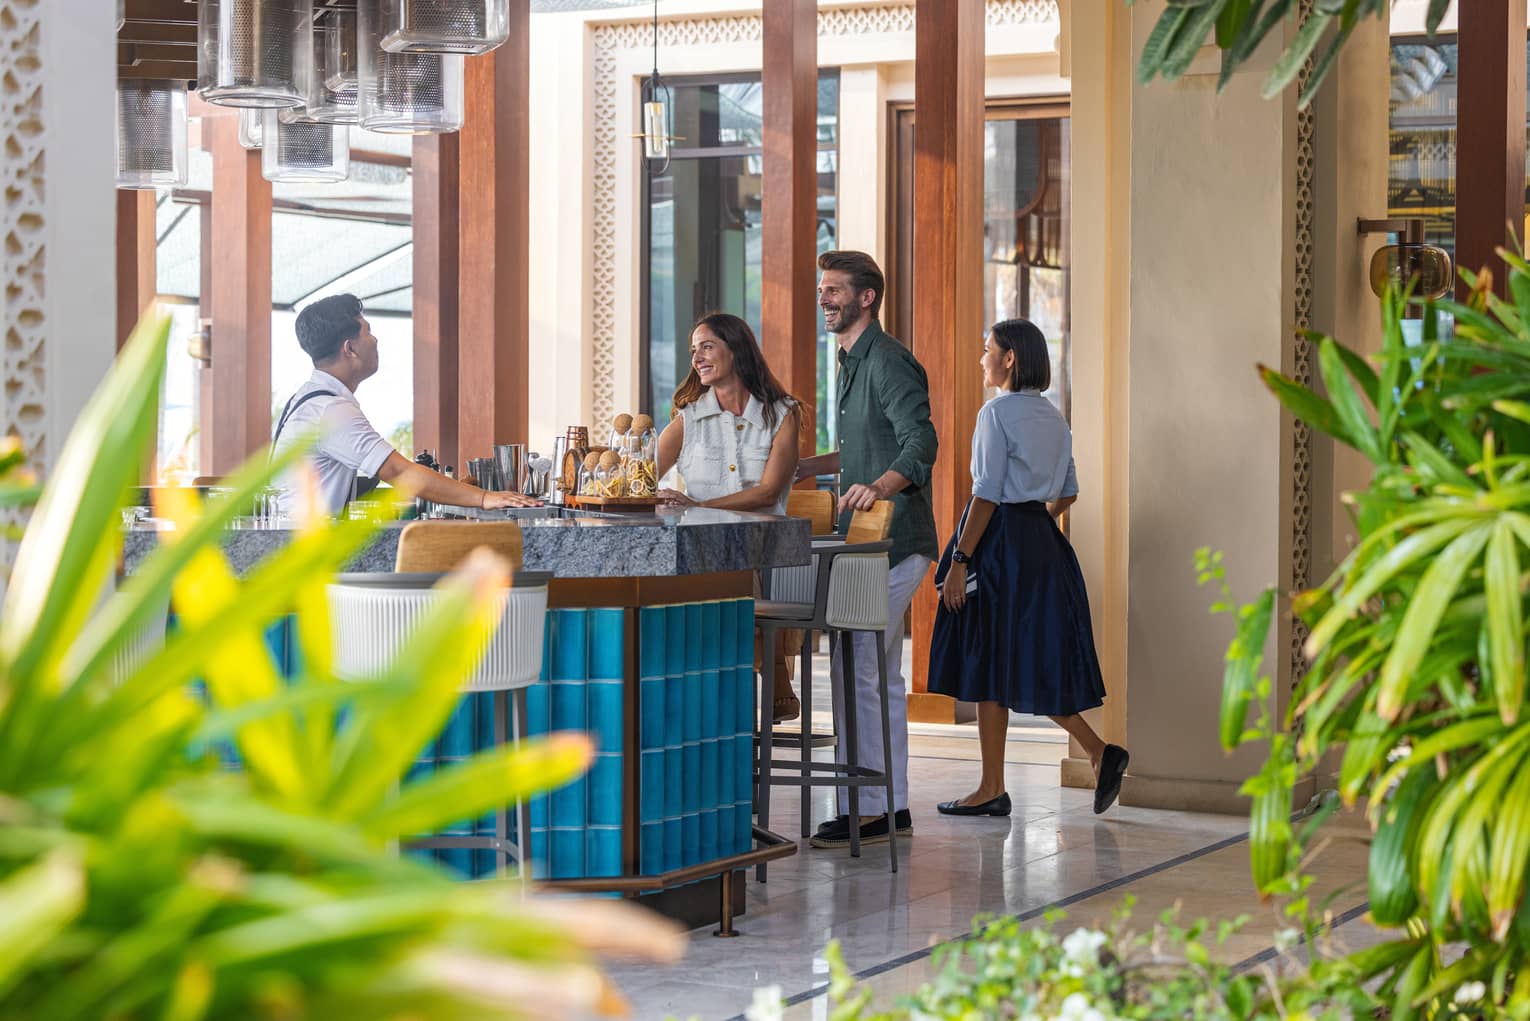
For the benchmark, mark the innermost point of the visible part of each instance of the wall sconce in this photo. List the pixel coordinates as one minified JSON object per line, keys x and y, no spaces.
{"x":1427,"y":267}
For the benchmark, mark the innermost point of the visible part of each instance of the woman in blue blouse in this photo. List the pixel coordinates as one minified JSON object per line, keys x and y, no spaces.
{"x":1012,"y":629}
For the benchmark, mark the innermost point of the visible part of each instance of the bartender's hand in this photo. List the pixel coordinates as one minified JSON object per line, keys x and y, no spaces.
{"x":675,"y":498}
{"x":499,"y":501}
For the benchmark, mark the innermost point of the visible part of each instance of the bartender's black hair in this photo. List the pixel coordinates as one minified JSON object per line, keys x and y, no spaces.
{"x":328,"y":323}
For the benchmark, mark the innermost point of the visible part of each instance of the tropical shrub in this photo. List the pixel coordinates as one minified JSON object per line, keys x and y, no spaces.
{"x":1417,"y":650}
{"x":1111,"y":973}
{"x":140,"y":879}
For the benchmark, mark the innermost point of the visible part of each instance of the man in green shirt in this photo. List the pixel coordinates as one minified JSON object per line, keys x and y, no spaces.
{"x":886,"y":451}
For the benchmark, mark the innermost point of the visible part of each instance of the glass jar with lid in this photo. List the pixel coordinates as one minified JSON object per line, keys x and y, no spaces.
{"x":642,"y":458}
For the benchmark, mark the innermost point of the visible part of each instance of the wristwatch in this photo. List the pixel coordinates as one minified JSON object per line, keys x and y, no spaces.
{"x":960,"y":557}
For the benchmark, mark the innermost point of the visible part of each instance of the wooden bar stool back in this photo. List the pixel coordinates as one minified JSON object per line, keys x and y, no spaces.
{"x":816,"y":505}
{"x":434,"y":547}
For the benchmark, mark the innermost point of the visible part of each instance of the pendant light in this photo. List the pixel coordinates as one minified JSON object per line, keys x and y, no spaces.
{"x":254,"y":53}
{"x":252,"y":125}
{"x":298,"y":150}
{"x":444,"y":26}
{"x":151,"y":133}
{"x":405,"y":93}
{"x":333,"y":88}
{"x":657,"y":100}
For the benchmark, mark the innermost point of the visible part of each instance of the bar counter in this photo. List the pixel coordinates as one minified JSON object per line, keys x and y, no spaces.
{"x":648,"y":648}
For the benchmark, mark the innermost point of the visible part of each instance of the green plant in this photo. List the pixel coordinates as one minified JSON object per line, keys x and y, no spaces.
{"x":1008,"y":970}
{"x":1238,"y":27}
{"x":138,"y":879}
{"x":1417,"y":649}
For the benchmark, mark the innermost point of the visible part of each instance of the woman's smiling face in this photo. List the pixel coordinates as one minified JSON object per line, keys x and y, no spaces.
{"x":710,"y":357}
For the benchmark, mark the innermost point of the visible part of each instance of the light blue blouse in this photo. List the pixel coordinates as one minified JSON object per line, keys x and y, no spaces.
{"x":1022,"y":451}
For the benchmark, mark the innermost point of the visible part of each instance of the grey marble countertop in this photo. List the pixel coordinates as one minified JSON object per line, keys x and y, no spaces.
{"x":568,"y":544}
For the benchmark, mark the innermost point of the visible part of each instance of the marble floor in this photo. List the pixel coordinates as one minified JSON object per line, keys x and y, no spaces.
{"x":1052,"y":852}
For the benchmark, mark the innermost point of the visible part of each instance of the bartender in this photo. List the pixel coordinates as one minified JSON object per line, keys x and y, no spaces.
{"x":350,"y":458}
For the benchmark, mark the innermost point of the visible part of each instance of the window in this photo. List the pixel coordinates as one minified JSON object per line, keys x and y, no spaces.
{"x":1422,"y":153}
{"x":1026,"y":192}
{"x":702,"y":228}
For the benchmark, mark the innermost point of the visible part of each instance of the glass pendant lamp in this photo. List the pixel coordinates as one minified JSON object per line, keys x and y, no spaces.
{"x":254,"y":53}
{"x":405,"y":93}
{"x":444,"y":26}
{"x":332,"y":89}
{"x":252,"y":126}
{"x":298,"y":150}
{"x":151,"y":133}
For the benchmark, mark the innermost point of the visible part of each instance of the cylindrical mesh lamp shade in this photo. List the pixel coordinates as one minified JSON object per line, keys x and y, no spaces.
{"x":332,"y":90}
{"x":254,"y":53}
{"x":298,"y":150}
{"x":444,"y":26}
{"x":151,"y":134}
{"x":252,"y":128}
{"x":405,"y":93}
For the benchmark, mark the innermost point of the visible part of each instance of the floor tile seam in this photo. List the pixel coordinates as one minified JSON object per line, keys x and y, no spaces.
{"x":1024,"y":916}
{"x":1269,"y":953}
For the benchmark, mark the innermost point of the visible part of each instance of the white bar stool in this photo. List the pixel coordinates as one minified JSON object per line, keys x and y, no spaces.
{"x":373,"y":616}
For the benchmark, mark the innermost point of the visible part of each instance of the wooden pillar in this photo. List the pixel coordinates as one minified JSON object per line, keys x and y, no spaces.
{"x":789,"y":205}
{"x":436,"y":280}
{"x":494,"y":308}
{"x":136,"y":263}
{"x":1490,"y":133}
{"x":240,"y":414}
{"x":947,"y":269}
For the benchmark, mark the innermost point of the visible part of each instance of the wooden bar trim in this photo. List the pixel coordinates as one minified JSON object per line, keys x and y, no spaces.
{"x":575,"y":593}
{"x":789,"y":205}
{"x":773,"y":846}
{"x":494,"y":246}
{"x":1490,"y":135}
{"x":947,"y":253}
{"x":437,"y":163}
{"x":240,"y":415}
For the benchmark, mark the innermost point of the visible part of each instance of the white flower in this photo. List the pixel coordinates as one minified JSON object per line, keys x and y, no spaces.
{"x":1078,"y":1008}
{"x":1081,"y":951}
{"x":767,"y":1005}
{"x":1285,"y":939}
{"x":1470,"y":992}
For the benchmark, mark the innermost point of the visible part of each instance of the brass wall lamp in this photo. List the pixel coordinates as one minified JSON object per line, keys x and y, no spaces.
{"x":1427,"y":267}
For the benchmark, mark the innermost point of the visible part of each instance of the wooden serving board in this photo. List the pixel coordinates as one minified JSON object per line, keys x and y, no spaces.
{"x":613,"y":503}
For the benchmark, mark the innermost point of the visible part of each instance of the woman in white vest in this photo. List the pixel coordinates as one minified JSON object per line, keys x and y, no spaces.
{"x":733,"y":437}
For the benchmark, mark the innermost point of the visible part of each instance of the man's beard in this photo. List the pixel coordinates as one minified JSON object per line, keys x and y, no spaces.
{"x":845,"y":319}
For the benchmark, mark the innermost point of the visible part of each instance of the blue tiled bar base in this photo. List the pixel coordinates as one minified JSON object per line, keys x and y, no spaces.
{"x":695,"y":732}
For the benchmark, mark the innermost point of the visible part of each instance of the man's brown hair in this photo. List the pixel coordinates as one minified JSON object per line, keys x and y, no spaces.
{"x":865,"y":275}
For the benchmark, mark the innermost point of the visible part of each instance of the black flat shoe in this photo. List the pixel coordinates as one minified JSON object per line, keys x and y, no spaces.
{"x":839,"y":826}
{"x":1112,"y":768}
{"x":998,"y":806}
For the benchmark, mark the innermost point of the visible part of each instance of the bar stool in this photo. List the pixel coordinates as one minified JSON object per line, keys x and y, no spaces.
{"x":842,"y":592}
{"x":373,"y":616}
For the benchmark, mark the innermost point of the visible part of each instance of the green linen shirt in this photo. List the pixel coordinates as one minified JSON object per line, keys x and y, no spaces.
{"x":884,"y":423}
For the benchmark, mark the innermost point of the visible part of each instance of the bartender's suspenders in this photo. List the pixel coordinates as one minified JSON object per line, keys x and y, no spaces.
{"x":362,"y":486}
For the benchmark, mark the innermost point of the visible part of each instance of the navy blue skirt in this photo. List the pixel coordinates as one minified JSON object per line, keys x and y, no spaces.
{"x":1023,"y":639}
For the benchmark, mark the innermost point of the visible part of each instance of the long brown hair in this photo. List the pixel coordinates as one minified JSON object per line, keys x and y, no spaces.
{"x":748,"y":364}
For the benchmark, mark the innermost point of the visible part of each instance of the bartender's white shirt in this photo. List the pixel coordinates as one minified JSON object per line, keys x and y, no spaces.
{"x":348,"y":446}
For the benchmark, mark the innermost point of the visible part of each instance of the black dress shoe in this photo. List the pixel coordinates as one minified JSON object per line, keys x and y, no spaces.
{"x":997,"y":806}
{"x":840,"y":824}
{"x":1112,"y":769}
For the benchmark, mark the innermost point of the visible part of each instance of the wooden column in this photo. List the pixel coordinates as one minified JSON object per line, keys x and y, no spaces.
{"x":136,"y":263}
{"x":240,"y":416}
{"x":1490,"y":133}
{"x":947,"y":269}
{"x":437,"y":167}
{"x":789,"y":205}
{"x":494,"y":306}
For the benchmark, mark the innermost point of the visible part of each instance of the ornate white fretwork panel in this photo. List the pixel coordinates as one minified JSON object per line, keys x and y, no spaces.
{"x":611,"y":39}
{"x":23,"y":402}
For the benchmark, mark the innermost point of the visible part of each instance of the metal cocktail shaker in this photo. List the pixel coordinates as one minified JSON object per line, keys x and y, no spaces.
{"x":554,"y":492}
{"x":510,"y":459}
